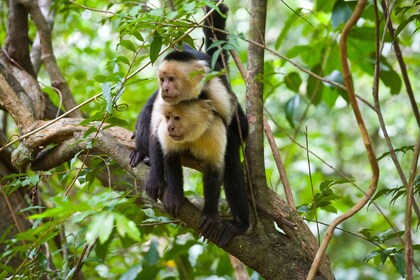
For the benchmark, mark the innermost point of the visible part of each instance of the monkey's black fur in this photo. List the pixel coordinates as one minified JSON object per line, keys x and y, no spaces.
{"x":165,"y":180}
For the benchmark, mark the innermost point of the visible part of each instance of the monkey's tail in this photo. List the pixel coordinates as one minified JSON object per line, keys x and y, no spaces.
{"x":216,"y":22}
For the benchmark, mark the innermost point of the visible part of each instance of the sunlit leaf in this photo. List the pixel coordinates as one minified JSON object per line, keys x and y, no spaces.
{"x":155,"y":47}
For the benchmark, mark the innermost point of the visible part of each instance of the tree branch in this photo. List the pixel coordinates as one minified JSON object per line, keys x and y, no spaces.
{"x":364,"y":134}
{"x":57,"y":79}
{"x":9,"y":100}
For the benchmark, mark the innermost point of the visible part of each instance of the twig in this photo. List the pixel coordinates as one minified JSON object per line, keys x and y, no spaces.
{"x":364,"y":134}
{"x":402,"y":64}
{"x":11,"y":210}
{"x":312,"y":185}
{"x":408,"y":250}
{"x":379,"y":111}
{"x":280,"y":165}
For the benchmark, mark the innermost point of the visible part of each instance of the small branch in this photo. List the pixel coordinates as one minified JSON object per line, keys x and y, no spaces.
{"x":280,"y":165}
{"x":364,"y":134}
{"x":402,"y":64}
{"x":408,"y":250}
{"x":312,"y":185}
{"x":11,"y":210}
{"x":382,"y":124}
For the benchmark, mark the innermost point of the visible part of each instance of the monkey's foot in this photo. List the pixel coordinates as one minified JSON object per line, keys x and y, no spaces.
{"x":155,"y":188}
{"x":210,"y":228}
{"x":172,"y":203}
{"x":136,"y":156}
{"x":229,"y":230}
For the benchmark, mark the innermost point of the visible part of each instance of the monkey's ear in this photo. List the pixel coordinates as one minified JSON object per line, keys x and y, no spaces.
{"x":208,"y":105}
{"x":199,"y":69}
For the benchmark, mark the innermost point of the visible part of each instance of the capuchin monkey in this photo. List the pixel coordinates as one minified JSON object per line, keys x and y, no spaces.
{"x":192,"y":128}
{"x":182,"y":80}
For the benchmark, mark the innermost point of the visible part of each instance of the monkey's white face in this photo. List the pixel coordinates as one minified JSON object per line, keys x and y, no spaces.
{"x":175,"y":128}
{"x":179,"y":81}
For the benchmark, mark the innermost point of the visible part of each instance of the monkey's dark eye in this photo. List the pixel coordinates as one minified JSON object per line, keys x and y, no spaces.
{"x":167,"y":118}
{"x":171,"y":78}
{"x":177,"y":118}
{"x":161,"y":80}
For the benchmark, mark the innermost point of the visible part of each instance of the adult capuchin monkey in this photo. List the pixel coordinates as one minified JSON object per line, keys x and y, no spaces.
{"x":182,"y":80}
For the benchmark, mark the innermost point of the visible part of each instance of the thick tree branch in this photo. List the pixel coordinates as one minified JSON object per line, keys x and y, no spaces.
{"x":57,"y":79}
{"x":25,"y":85}
{"x":9,"y":100}
{"x":254,"y":94}
{"x":17,"y":40}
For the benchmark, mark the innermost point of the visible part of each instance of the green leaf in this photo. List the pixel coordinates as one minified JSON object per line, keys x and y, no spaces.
{"x":123,"y":59}
{"x":385,"y":253}
{"x":341,"y":12}
{"x":315,"y":86}
{"x":399,"y":264}
{"x":127,"y":227}
{"x":404,"y":23}
{"x":152,"y":256}
{"x":291,"y":109}
{"x":403,"y":150}
{"x":128,"y":45}
{"x":324,"y":5}
{"x":293,"y":81}
{"x":106,"y":91}
{"x":89,"y":131}
{"x":155,"y":47}
{"x":114,"y":121}
{"x":138,"y":36}
{"x":371,"y":255}
{"x":189,"y":6}
{"x":132,"y":272}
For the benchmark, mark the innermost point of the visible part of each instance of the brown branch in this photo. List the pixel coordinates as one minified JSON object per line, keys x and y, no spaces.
{"x":17,"y":40}
{"x":382,"y":124}
{"x":10,"y":101}
{"x":50,"y":62}
{"x":280,"y":165}
{"x":364,"y":134}
{"x":254,"y":94}
{"x":24,"y":85}
{"x":408,"y":249}
{"x":402,"y":64}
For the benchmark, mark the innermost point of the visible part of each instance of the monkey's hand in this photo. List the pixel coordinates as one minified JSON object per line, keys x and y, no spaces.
{"x":210,"y":227}
{"x":155,"y":188}
{"x":173,"y":202}
{"x":136,"y":156}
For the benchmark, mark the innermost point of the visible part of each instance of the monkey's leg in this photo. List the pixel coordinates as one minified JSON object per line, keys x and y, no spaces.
{"x":210,"y":221}
{"x":235,"y":190}
{"x":155,"y":184}
{"x":174,"y":196}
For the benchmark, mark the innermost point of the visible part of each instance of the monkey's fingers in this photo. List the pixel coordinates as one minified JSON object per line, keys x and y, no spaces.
{"x":135,"y":157}
{"x":227,"y":232}
{"x":209,"y":228}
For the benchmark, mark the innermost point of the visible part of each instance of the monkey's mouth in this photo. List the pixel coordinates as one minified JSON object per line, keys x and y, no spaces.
{"x":176,"y":137}
{"x":170,"y":99}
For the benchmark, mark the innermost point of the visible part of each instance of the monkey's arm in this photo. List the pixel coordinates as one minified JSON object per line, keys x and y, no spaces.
{"x":174,"y":196}
{"x":142,"y":132}
{"x":155,"y":185}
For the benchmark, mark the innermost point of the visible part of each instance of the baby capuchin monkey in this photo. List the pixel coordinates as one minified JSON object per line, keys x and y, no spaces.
{"x":193,"y":128}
